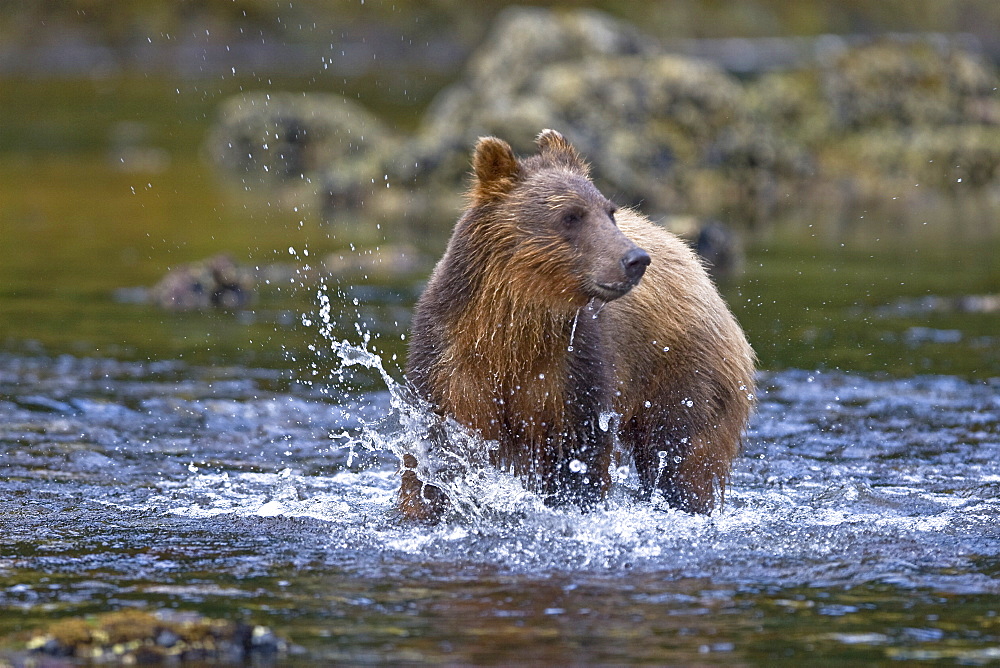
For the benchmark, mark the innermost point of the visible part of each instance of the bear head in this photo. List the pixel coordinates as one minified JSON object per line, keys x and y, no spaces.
{"x":551,"y":231}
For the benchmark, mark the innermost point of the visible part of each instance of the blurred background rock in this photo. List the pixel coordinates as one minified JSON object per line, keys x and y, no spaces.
{"x":822,"y":135}
{"x":747,"y":116}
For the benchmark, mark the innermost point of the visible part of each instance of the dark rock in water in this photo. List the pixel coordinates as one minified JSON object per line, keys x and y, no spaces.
{"x":132,"y":637}
{"x":717,"y":245}
{"x":216,"y":282}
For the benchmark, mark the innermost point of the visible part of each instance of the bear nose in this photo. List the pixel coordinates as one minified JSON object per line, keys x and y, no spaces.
{"x":634,"y":263}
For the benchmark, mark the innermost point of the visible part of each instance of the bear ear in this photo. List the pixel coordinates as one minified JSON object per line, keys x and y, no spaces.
{"x":496,"y":169}
{"x":556,"y":148}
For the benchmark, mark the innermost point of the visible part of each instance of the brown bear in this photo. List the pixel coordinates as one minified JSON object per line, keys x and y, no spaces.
{"x":536,"y":331}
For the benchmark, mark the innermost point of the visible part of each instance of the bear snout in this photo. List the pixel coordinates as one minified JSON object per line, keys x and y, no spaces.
{"x":619,"y":278}
{"x":634,"y":264}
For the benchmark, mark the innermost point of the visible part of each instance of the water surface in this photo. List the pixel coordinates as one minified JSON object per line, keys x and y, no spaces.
{"x":863,"y":523}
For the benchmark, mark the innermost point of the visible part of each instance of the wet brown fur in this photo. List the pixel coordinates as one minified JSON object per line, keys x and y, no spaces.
{"x":533,"y":261}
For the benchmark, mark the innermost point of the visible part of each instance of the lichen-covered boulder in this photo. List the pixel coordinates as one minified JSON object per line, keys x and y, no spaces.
{"x":639,"y":118}
{"x":791,"y":104}
{"x":953,"y":158}
{"x":524,"y":40}
{"x":651,"y":123}
{"x":169,"y":637}
{"x":497,"y":95}
{"x":895,"y":130}
{"x":673,"y":134}
{"x":319,"y":143}
{"x":895,"y":83}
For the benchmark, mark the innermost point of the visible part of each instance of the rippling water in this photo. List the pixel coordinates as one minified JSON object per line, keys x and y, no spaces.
{"x":863,"y":523}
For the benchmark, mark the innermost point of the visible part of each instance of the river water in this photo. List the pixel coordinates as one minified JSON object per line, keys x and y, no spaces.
{"x":862,"y":524}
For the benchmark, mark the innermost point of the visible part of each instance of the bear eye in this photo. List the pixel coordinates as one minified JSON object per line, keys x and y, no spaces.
{"x":611,"y":214}
{"x":572,"y":218}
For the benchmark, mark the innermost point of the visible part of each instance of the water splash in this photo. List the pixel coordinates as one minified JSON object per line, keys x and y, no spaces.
{"x":829,"y":462}
{"x":594,"y":307}
{"x":449,"y":455}
{"x":572,"y":331}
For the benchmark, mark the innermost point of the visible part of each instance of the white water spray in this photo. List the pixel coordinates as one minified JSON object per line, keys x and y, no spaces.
{"x":572,"y":332}
{"x":449,"y":455}
{"x":595,"y":306}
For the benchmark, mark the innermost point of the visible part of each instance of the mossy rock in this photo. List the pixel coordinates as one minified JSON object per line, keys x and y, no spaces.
{"x":896,"y":83}
{"x":129,"y":637}
{"x":791,"y":104}
{"x":498,"y":94}
{"x":957,"y":157}
{"x":673,"y":134}
{"x":525,"y":40}
{"x":278,"y":139}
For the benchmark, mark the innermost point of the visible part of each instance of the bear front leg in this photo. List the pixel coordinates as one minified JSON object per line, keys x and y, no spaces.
{"x":419,"y":501}
{"x":681,"y":469}
{"x":582,"y":476}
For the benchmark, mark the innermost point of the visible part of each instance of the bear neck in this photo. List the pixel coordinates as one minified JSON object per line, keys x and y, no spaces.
{"x":551,"y":383}
{"x":506,"y":327}
{"x":514,"y":336}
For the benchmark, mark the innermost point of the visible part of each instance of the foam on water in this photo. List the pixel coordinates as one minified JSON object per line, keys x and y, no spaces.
{"x":761,"y":535}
